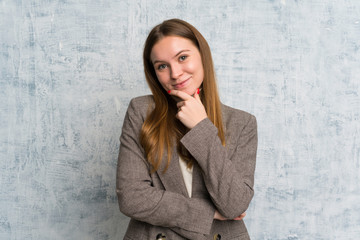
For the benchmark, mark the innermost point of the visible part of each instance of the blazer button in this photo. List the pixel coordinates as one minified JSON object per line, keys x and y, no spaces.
{"x":160,"y":236}
{"x":217,"y":237}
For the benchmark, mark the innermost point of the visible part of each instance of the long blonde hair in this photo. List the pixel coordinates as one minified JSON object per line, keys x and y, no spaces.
{"x":161,"y":128}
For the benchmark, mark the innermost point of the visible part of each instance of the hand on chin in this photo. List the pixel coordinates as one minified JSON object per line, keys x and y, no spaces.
{"x":191,"y":111}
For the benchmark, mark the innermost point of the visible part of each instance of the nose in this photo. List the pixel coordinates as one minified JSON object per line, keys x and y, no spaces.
{"x":176,"y":71}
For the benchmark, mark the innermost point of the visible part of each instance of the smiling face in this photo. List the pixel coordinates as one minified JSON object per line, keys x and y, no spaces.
{"x":177,"y":63}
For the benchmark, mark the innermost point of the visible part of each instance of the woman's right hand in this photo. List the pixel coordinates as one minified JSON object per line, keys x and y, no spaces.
{"x":218,"y":216}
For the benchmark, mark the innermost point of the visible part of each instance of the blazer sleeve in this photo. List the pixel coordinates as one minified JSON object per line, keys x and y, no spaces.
{"x":140,"y":200}
{"x":228,"y":175}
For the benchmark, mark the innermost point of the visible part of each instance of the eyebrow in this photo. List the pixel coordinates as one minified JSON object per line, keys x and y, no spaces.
{"x":185,"y":50}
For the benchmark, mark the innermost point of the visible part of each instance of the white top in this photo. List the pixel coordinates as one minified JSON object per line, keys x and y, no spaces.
{"x":187,"y":175}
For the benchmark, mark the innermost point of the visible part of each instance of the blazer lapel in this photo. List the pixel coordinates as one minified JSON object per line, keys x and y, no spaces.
{"x":172,"y":179}
{"x":198,"y":185}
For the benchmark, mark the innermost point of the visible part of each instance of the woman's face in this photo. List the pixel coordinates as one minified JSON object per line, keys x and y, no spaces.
{"x":177,"y":63}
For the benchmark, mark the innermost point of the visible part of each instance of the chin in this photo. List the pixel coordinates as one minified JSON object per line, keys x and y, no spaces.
{"x":190,"y":91}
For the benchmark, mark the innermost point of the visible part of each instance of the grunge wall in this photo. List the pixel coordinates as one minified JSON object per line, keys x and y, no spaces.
{"x":69,"y":69}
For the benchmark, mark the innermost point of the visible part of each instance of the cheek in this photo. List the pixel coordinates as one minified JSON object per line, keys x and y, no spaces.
{"x":163,"y":80}
{"x":192,"y":68}
{"x":199,"y":68}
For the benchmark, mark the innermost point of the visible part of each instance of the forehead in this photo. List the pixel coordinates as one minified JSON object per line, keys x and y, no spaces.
{"x":169,"y":46}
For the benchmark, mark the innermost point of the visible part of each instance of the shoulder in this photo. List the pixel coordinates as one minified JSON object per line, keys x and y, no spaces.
{"x":140,"y":105}
{"x":237,"y":121}
{"x":233,"y":114}
{"x":138,"y":109}
{"x":142,"y":102}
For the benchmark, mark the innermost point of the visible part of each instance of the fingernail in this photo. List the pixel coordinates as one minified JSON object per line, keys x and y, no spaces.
{"x":169,"y":91}
{"x":198,"y":91}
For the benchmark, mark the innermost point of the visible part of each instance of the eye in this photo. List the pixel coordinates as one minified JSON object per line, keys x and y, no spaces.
{"x":182,"y":58}
{"x":161,"y":66}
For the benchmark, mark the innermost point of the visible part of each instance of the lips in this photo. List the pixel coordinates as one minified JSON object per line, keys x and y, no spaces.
{"x":181,"y":84}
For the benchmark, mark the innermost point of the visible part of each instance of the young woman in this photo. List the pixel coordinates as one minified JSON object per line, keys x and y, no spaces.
{"x":186,"y":162}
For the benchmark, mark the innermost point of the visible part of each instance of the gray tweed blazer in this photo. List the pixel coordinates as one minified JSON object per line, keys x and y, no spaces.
{"x":223,"y":178}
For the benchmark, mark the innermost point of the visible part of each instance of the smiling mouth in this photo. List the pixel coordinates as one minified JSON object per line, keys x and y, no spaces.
{"x":181,"y":84}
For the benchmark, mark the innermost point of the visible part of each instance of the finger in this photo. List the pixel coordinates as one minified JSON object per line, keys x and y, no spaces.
{"x":180,"y":104}
{"x":177,"y":114}
{"x":240,"y":217}
{"x":197,"y":95}
{"x":180,"y":94}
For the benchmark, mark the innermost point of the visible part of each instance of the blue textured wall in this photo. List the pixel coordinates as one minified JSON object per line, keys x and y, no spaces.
{"x":69,"y":69}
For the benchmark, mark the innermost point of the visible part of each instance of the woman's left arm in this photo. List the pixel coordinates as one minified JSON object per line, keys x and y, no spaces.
{"x":228,"y":175}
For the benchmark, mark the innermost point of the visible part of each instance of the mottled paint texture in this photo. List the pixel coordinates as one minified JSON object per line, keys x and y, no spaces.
{"x":69,"y":69}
